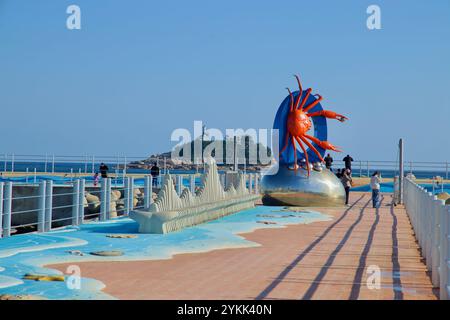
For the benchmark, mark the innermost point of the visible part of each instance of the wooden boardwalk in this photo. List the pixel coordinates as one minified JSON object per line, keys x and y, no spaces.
{"x":322,"y":260}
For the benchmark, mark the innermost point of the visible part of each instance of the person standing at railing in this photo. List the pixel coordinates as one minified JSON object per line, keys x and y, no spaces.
{"x":328,"y":162}
{"x":104,"y":170}
{"x":96,"y":179}
{"x":154,"y":171}
{"x":375,"y":181}
{"x":348,"y":162}
{"x":347,"y":181}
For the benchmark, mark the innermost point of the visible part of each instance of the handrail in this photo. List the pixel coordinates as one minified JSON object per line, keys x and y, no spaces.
{"x":430,"y":218}
{"x":32,"y":164}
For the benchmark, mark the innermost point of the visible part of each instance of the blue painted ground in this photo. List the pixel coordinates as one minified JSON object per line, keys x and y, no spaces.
{"x":27,"y":253}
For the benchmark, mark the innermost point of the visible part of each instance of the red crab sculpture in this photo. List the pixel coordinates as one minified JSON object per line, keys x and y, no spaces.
{"x":299,"y":123}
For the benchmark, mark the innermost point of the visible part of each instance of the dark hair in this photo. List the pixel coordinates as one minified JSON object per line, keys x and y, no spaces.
{"x":375,"y":173}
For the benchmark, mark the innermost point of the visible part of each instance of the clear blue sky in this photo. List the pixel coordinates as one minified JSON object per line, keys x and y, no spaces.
{"x":139,"y":69}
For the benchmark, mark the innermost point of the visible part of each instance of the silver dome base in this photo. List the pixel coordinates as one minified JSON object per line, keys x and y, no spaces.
{"x":288,"y":188}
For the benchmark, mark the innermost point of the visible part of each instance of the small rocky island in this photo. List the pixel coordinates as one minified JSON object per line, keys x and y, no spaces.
{"x":247,"y":144}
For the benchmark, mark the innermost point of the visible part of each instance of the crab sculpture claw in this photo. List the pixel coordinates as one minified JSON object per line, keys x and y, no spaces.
{"x":329,"y":114}
{"x":328,"y":146}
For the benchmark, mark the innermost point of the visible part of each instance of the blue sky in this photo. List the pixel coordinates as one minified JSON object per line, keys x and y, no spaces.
{"x":139,"y":69}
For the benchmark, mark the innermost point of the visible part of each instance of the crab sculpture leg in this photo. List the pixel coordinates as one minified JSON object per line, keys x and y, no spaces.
{"x":299,"y":123}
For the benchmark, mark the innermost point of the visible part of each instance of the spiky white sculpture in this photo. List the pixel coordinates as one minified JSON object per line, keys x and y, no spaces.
{"x":171,"y":212}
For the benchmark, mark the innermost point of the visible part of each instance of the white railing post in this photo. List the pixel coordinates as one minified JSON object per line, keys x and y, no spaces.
{"x":428,"y":222}
{"x":401,"y":172}
{"x":438,"y":205}
{"x":148,"y":190}
{"x":444,"y":269}
{"x":179,"y":179}
{"x":41,"y":205}
{"x":131,"y":201}
{"x":250,"y":183}
{"x":108,"y":198}
{"x":48,"y":205}
{"x":7,"y":206}
{"x":103,"y":208}
{"x":75,"y":202}
{"x":423,"y":219}
{"x":368,"y":171}
{"x":447,"y":255}
{"x":2,"y":184}
{"x":81,"y":201}
{"x":192,"y":184}
{"x":126,"y":195}
{"x":53,"y":164}
{"x":257,"y":183}
{"x":417,"y":206}
{"x":360,"y":168}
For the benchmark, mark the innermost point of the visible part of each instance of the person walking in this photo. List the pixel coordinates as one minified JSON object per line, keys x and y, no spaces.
{"x":104,"y":170}
{"x":328,"y":162}
{"x":375,"y":181}
{"x":347,"y":181}
{"x":348,"y":162}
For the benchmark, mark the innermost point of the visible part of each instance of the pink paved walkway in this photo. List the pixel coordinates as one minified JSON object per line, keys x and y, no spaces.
{"x":323,"y":260}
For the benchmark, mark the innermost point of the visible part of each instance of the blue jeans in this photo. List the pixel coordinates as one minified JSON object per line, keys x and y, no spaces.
{"x":375,"y":198}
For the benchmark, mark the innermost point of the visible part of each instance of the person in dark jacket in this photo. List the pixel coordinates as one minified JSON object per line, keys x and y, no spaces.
{"x":154,"y":171}
{"x":104,"y":170}
{"x":328,"y":162}
{"x":348,"y":162}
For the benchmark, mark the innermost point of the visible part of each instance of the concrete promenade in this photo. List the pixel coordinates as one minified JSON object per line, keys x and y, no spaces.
{"x":322,"y":260}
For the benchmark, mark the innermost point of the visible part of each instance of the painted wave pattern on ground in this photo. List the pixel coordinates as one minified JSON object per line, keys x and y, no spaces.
{"x":27,"y":253}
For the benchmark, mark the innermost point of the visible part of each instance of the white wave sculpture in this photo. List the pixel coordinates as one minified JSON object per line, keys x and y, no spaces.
{"x":171,"y":212}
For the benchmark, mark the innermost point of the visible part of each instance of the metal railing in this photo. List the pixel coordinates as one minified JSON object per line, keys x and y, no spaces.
{"x":429,"y":217}
{"x":71,"y":163}
{"x":390,"y":169}
{"x":43,"y":206}
{"x":88,"y":164}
